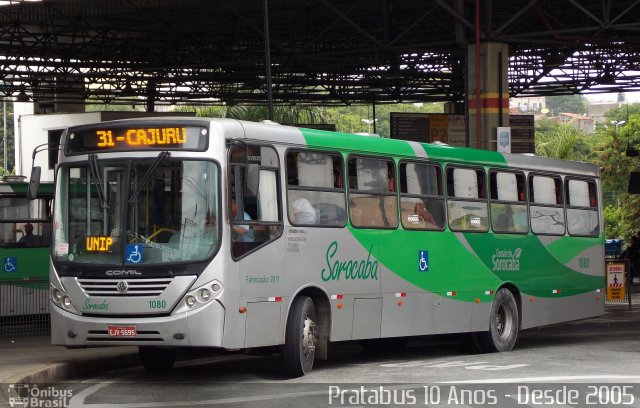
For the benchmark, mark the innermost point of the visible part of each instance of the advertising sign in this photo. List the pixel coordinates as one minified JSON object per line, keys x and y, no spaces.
{"x":503,"y":135}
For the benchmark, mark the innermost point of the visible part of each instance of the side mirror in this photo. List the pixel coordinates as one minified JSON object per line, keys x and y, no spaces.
{"x":252,"y":180}
{"x":34,"y":183}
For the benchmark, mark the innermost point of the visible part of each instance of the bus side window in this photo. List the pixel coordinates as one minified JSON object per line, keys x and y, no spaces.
{"x":421,"y":196}
{"x":314,"y":192}
{"x":546,"y":210}
{"x":25,"y":223}
{"x":467,"y":206}
{"x":582,"y":208}
{"x":508,"y":204}
{"x":372,"y":204}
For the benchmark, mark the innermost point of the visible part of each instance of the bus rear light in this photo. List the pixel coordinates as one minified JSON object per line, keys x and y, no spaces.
{"x":531,"y":299}
{"x":340,"y":305}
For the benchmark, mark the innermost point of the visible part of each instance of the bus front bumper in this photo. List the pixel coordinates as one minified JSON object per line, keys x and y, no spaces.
{"x":199,"y":328}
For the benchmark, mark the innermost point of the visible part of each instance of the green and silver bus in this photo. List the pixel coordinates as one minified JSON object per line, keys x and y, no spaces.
{"x":25,"y":237}
{"x":172,"y":233}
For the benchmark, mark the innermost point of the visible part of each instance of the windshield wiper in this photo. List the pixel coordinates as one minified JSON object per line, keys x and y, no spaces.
{"x":147,"y":175}
{"x":95,"y":175}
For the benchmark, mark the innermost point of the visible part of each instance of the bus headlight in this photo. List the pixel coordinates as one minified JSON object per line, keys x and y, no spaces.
{"x":61,"y":299}
{"x":205,"y":295}
{"x":200,"y":296}
{"x":191,"y":301}
{"x":56,"y":295}
{"x":66,"y":301}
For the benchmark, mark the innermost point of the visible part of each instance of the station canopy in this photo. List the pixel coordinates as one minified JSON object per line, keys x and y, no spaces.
{"x":322,"y":52}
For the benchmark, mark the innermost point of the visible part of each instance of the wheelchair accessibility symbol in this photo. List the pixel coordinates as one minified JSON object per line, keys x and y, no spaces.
{"x":423,"y":261}
{"x":9,"y":264}
{"x":134,"y":253}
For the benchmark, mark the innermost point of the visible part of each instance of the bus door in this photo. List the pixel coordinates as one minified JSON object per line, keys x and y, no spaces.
{"x":255,"y":225}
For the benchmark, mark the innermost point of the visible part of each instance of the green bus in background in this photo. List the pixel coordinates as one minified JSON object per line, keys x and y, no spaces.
{"x":25,"y":238}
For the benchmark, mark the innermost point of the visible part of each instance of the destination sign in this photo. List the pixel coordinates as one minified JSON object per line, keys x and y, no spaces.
{"x":98,"y":243}
{"x":109,"y":138}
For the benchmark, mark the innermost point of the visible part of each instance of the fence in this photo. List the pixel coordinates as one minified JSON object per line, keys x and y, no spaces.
{"x":24,"y":306}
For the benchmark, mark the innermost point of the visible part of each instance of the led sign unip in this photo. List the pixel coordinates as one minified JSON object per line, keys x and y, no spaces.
{"x":99,"y":243}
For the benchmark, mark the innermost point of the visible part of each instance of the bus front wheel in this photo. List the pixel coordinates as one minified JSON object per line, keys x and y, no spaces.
{"x":300,"y":338}
{"x":504,"y":323}
{"x":157,"y":359}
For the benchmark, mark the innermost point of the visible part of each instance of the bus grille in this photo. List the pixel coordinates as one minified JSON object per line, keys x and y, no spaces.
{"x":135,"y":287}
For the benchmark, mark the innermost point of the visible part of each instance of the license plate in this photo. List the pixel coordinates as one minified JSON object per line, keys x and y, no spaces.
{"x":122,"y":331}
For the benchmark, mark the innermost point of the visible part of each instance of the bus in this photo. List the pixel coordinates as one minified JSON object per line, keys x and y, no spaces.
{"x":25,"y":237}
{"x":172,"y":233}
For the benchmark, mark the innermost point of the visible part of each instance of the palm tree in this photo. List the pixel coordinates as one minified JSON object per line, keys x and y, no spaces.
{"x":562,"y":142}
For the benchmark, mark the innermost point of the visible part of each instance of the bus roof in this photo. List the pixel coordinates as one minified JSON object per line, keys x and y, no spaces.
{"x":322,"y":139}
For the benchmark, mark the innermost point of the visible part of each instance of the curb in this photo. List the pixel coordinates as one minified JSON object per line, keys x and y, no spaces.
{"x":69,"y":369}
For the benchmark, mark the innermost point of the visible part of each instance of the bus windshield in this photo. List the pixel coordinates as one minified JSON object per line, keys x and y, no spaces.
{"x":137,"y":212}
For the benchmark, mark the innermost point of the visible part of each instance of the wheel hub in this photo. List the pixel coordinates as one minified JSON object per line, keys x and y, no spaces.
{"x":308,"y":338}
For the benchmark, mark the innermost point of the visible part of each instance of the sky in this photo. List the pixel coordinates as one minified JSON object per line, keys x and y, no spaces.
{"x":612,"y":97}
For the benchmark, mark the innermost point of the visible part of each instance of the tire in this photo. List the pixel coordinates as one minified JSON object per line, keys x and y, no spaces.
{"x":504,"y":324}
{"x":157,"y":359}
{"x":300,"y":339}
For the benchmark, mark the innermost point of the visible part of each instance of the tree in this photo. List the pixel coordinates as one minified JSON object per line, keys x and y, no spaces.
{"x":567,"y":103}
{"x":621,"y":210}
{"x":561,"y":141}
{"x":285,"y":114}
{"x":348,"y":119}
{"x":7,"y":168}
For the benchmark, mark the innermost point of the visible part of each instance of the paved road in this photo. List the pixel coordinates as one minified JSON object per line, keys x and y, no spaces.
{"x":550,"y":367}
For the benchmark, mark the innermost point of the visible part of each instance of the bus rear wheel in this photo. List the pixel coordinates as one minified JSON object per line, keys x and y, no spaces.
{"x":504,"y":323}
{"x":300,"y":338}
{"x":157,"y":359}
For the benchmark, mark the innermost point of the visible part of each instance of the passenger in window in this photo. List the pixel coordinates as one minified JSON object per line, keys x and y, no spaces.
{"x":303,"y":212}
{"x":28,"y":239}
{"x":241,"y":233}
{"x":425,"y":216}
{"x":337,"y":174}
{"x":392,"y":186}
